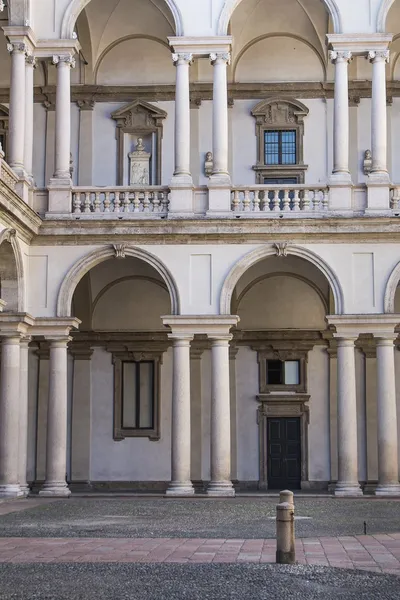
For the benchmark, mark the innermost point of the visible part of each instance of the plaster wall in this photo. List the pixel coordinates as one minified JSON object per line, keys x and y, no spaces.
{"x":132,"y":459}
{"x":356,"y":267}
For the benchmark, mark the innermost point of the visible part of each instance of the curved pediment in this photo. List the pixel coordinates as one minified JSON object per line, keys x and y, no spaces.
{"x":280,"y":111}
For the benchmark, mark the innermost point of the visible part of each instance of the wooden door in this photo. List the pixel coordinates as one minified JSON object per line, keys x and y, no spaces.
{"x":284,"y":453}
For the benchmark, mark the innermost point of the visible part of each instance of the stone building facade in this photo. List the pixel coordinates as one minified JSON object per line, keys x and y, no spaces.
{"x":199,"y":246}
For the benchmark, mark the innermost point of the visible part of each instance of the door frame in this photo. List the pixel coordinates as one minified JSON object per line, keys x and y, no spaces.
{"x":282,"y":406}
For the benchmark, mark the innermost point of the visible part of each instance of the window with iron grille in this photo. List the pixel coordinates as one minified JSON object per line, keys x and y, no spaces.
{"x":280,"y":147}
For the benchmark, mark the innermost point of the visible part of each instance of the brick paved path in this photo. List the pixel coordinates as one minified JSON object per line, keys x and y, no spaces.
{"x":379,"y":553}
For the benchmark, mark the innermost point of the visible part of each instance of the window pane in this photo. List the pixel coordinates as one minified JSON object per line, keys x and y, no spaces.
{"x":274,"y":372}
{"x":272,"y":147}
{"x":129,"y":400}
{"x":292,"y":372}
{"x":146,"y":394}
{"x":280,"y":147}
{"x":288,"y":147}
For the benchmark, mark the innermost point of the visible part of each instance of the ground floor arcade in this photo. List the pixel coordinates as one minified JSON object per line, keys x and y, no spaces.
{"x":132,"y":393}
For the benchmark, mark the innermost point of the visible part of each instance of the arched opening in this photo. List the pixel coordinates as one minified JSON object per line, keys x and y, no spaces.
{"x":8,"y":277}
{"x":230,"y":6}
{"x":283,"y":363}
{"x":11,"y":272}
{"x":75,"y":8}
{"x":122,"y":370}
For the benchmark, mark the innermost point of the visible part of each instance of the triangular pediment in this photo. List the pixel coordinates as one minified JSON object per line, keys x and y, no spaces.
{"x":139,"y":114}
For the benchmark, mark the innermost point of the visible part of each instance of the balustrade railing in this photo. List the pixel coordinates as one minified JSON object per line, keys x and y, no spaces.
{"x":267,"y":199}
{"x":126,"y":200}
{"x":395,"y":197}
{"x":7,"y":175}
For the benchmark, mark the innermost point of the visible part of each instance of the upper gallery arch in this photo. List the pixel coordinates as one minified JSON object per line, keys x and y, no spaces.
{"x":77,"y":6}
{"x":230,"y":6}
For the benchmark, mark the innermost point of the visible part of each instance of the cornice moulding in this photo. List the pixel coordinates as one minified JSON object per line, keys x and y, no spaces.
{"x":379,"y":325}
{"x":359,"y":43}
{"x":48,"y":48}
{"x":201,"y":47}
{"x":18,"y":33}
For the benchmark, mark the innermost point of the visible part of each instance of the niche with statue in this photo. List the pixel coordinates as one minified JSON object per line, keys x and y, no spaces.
{"x":139,"y":144}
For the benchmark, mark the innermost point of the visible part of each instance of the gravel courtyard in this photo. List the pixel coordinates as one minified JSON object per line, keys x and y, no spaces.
{"x":196,"y":518}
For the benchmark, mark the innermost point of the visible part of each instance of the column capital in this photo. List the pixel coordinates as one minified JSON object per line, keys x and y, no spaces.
{"x":17,"y":48}
{"x":180,"y":339}
{"x":63,"y":59}
{"x":86,"y":104}
{"x":340,"y":56}
{"x":31,"y":60}
{"x":385,"y":339}
{"x":219,"y":340}
{"x":182,"y":58}
{"x":375,"y":56}
{"x":220,"y":57}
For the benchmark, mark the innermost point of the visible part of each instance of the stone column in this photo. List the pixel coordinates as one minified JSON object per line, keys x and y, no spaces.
{"x":81,"y":415}
{"x":9,"y":416}
{"x":17,"y":108}
{"x":220,"y":115}
{"x":388,"y":466}
{"x":56,"y":448}
{"x":379,"y":171}
{"x":220,"y":484}
{"x":181,"y":484}
{"x":63,"y":117}
{"x":341,"y":117}
{"x":182,"y":119}
{"x":28,"y":148}
{"x":196,"y":414}
{"x":23,"y":416}
{"x":347,"y":484}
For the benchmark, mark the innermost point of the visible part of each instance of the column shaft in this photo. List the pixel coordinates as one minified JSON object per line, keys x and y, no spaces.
{"x":347,"y":484}
{"x":220,"y":114}
{"x":341,"y":115}
{"x":379,"y":113}
{"x":63,"y":116}
{"x":23,"y":416}
{"x":220,"y":484}
{"x":56,"y":447}
{"x":28,"y":148}
{"x":182,"y":116}
{"x":388,"y":465}
{"x":9,"y":417}
{"x":180,"y":427}
{"x":17,"y":108}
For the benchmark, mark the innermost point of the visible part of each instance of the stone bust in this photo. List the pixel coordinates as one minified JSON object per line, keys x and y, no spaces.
{"x":367,"y":163}
{"x":208,"y":164}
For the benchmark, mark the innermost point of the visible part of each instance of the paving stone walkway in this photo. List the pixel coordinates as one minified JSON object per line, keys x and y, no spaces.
{"x":378,"y":553}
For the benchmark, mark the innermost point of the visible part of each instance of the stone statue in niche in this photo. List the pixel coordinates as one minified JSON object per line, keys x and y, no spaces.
{"x":208,"y":164}
{"x":367,"y":164}
{"x":139,"y":165}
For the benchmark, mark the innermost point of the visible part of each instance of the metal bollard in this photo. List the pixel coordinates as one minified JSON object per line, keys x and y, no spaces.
{"x":285,"y":548}
{"x":286,"y":496}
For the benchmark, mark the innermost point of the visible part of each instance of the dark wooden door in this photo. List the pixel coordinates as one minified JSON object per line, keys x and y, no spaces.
{"x":284,"y":453}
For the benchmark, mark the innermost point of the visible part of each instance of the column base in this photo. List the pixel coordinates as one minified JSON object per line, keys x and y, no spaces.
{"x":25,"y":489}
{"x":10,"y":490}
{"x":344,"y":488}
{"x":180,"y":488}
{"x":387,"y":489}
{"x":221,"y":489}
{"x":55,"y":489}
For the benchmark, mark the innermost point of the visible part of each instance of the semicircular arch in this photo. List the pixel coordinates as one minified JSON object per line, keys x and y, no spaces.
{"x":390,"y":290}
{"x":86,"y":263}
{"x":10,"y":236}
{"x":383,"y":15}
{"x":75,"y":7}
{"x":259,"y":254}
{"x":126,"y":38}
{"x":230,"y":5}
